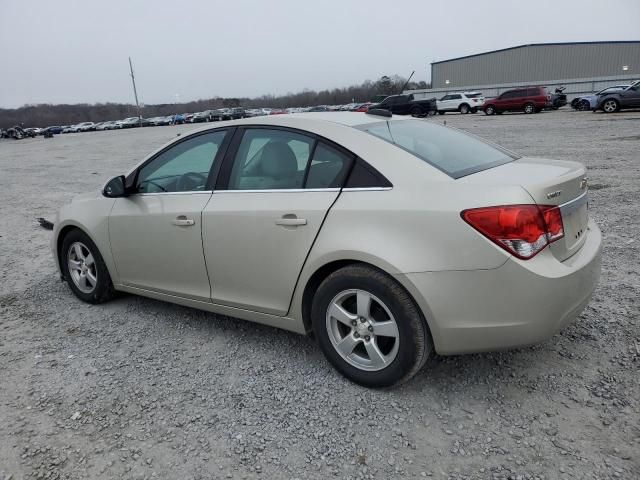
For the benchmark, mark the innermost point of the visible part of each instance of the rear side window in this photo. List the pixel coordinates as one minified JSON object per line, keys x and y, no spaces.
{"x":328,"y":167}
{"x":364,"y":175}
{"x":455,"y":153}
{"x":473,"y":95}
{"x":534,"y":92}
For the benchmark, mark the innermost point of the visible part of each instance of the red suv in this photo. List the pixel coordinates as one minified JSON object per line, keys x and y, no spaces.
{"x":525,"y":99}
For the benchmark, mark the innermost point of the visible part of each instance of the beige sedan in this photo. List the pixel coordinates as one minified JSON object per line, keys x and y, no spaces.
{"x":388,"y":238}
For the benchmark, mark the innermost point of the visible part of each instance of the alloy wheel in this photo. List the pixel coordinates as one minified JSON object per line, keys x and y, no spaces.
{"x":362,"y":330}
{"x":82,"y":267}
{"x":610,"y":106}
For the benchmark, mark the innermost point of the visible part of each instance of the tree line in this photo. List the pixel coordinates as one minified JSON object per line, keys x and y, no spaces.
{"x":42,"y":115}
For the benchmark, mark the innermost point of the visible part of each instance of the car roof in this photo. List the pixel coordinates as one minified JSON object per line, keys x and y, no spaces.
{"x":348,"y":119}
{"x":339,"y":128}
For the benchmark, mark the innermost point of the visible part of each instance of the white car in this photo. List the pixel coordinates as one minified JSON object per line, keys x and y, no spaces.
{"x":463,"y":102}
{"x":389,"y":238}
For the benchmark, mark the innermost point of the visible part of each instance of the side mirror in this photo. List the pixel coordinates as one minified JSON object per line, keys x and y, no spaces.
{"x":115,"y":188}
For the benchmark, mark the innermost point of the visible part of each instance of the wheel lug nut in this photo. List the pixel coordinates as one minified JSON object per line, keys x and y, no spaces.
{"x":362,"y":319}
{"x":367,"y":338}
{"x":354,"y":323}
{"x":356,"y":334}
{"x":370,"y":328}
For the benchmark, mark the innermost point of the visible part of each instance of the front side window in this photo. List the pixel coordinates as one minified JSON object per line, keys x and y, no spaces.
{"x":184,"y":167}
{"x":270,"y":160}
{"x":451,"y":151}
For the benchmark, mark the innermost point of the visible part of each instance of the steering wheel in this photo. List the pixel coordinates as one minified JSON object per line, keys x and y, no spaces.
{"x":151,"y":182}
{"x":189,"y":181}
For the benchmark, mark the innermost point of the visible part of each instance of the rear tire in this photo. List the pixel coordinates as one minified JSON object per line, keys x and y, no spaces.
{"x":369,"y":328}
{"x":416,"y":112}
{"x":84,"y":269}
{"x":610,"y":105}
{"x":529,"y":108}
{"x":464,"y":108}
{"x":441,"y":112}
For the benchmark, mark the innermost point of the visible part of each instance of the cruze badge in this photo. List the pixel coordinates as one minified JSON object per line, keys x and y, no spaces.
{"x":583,"y":183}
{"x":555,"y":194}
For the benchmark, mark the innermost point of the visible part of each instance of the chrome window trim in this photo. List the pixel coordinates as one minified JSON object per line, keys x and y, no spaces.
{"x":301,"y":190}
{"x":282,"y":190}
{"x":188,"y":192}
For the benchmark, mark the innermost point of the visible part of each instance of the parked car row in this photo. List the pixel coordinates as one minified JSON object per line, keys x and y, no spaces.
{"x":524,"y":99}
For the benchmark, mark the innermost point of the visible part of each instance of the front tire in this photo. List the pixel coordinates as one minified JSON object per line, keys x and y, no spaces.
{"x":84,"y":269}
{"x":369,"y":328}
{"x":490,"y":110}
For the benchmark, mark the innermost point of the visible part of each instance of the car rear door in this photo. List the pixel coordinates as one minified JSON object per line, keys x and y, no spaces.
{"x":156,"y":233}
{"x":275,"y":190}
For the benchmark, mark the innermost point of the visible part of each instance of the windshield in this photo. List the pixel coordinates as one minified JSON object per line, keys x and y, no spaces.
{"x":455,"y":153}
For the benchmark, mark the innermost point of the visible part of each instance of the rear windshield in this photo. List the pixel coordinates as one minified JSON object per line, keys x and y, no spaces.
{"x":455,"y":153}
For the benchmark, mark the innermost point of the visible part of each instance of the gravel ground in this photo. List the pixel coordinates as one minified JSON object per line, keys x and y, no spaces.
{"x":138,"y":388}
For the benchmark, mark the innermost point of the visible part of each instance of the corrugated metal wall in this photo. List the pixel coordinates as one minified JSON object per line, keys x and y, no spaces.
{"x":539,"y":62}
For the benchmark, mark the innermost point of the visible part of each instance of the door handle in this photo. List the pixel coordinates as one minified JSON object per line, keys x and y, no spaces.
{"x":291,"y":221}
{"x":183,"y":221}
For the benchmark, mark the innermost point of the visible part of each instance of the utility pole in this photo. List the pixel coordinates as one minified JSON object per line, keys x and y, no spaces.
{"x":135,"y":92}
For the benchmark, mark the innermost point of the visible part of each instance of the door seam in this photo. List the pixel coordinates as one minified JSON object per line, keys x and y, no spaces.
{"x":295,"y":286}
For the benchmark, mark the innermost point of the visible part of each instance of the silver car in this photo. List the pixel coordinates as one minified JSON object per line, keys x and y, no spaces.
{"x":389,"y":238}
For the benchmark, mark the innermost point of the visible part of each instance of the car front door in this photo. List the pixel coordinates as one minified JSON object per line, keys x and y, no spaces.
{"x":508,"y":100}
{"x":631,"y":96}
{"x":454,"y":102}
{"x":276,"y":188}
{"x":156,"y":232}
{"x":444,"y":103}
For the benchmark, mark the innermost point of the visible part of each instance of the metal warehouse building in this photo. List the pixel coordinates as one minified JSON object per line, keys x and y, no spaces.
{"x":580,"y":66}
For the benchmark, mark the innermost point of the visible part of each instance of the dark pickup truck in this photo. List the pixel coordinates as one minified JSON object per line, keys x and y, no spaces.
{"x":406,"y":105}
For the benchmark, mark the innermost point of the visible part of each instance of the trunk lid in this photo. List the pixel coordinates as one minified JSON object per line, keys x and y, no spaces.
{"x":548,"y":182}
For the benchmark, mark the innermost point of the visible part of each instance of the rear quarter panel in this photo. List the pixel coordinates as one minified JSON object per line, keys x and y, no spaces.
{"x":408,"y":229}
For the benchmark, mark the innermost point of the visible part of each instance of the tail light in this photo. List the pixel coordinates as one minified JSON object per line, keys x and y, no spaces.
{"x":522,"y":230}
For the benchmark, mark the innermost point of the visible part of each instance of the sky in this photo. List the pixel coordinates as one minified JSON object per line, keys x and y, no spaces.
{"x":68,"y":51}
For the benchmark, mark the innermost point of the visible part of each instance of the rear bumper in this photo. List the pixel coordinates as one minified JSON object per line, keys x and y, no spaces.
{"x":517,"y":304}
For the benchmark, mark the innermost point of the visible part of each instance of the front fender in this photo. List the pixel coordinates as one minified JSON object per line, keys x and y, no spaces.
{"x":89,"y":213}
